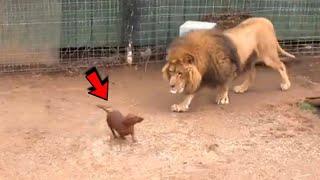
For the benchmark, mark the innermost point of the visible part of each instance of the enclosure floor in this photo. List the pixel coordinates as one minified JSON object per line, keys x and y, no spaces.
{"x":51,"y":129}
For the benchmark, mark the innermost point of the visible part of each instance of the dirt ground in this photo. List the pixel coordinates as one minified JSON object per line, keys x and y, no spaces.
{"x":51,"y":129}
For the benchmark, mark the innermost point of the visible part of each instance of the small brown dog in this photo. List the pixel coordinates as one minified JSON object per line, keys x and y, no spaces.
{"x":123,"y":125}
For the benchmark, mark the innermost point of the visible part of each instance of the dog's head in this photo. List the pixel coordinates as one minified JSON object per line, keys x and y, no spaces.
{"x":132,"y":119}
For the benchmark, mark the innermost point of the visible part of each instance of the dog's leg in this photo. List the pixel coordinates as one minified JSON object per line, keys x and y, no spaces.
{"x":276,"y":64}
{"x":114,"y":134}
{"x":184,"y":105}
{"x":222,"y":94}
{"x":134,"y":139}
{"x":250,"y":76}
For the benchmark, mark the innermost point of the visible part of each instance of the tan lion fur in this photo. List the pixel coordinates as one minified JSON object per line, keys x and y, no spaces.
{"x":256,"y":40}
{"x":255,"y":35}
{"x":220,"y":56}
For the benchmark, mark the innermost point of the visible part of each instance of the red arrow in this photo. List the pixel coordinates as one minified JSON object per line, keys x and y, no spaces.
{"x":99,"y":88}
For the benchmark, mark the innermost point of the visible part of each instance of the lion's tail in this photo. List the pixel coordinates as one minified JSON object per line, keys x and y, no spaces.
{"x":107,"y":109}
{"x":282,"y":51}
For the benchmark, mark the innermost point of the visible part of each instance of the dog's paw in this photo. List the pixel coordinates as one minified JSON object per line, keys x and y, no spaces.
{"x":178,"y":108}
{"x":239,"y":89}
{"x":223,"y":100}
{"x":285,"y":86}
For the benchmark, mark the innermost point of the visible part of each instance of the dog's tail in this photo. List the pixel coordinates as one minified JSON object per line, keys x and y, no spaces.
{"x":282,"y":51}
{"x":107,"y":109}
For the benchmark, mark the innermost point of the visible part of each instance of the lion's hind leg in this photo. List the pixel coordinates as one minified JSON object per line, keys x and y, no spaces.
{"x":276,"y":64}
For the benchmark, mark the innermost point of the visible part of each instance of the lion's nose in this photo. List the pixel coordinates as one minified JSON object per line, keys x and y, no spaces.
{"x":172,"y":86}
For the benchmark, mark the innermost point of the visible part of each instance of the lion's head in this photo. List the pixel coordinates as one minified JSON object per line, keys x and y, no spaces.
{"x":181,"y":71}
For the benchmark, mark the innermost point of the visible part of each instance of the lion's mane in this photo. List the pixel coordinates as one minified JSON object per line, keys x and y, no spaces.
{"x":207,"y":55}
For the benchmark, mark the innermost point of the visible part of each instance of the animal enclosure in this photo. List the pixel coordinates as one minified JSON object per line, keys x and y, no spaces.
{"x":58,"y":34}
{"x":51,"y":128}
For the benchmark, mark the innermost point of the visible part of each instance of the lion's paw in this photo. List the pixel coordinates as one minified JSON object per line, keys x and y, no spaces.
{"x":239,"y":89}
{"x":223,"y":100}
{"x":178,"y":108}
{"x":285,"y":86}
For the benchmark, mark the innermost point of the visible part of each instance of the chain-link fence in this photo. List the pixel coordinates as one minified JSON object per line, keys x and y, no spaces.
{"x":47,"y":35}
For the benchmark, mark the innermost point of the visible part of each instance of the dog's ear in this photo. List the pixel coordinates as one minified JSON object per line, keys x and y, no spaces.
{"x":131,"y":119}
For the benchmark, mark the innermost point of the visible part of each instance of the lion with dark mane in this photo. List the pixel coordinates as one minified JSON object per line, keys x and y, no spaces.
{"x":219,"y":57}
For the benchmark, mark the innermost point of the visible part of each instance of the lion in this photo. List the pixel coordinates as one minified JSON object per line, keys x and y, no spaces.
{"x":219,"y":57}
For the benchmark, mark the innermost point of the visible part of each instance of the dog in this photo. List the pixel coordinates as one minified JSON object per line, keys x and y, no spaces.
{"x":123,"y":125}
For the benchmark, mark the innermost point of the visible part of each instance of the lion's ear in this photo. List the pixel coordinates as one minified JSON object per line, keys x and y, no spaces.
{"x":188,"y":58}
{"x":165,"y":71}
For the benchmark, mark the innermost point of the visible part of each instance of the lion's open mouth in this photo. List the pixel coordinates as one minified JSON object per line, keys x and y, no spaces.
{"x":173,"y":91}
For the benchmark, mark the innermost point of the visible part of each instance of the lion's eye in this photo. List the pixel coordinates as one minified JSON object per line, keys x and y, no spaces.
{"x":179,"y":73}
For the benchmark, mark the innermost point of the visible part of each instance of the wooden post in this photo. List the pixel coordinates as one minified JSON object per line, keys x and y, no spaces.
{"x":315,"y":101}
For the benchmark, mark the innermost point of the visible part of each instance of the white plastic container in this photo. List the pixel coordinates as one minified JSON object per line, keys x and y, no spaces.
{"x":195,"y":25}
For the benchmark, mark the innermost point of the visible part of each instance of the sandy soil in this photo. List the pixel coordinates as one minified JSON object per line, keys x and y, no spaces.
{"x":51,"y":129}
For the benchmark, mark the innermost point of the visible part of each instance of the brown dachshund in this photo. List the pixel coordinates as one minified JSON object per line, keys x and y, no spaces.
{"x":123,"y":125}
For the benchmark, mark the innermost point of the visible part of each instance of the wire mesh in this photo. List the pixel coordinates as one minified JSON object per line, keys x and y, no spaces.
{"x":47,"y":35}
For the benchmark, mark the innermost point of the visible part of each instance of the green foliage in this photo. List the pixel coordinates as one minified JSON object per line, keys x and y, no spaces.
{"x":307,"y":107}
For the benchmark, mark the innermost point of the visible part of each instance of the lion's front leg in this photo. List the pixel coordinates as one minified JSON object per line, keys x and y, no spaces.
{"x":250,"y":76}
{"x":222,"y":94}
{"x":184,"y":105}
